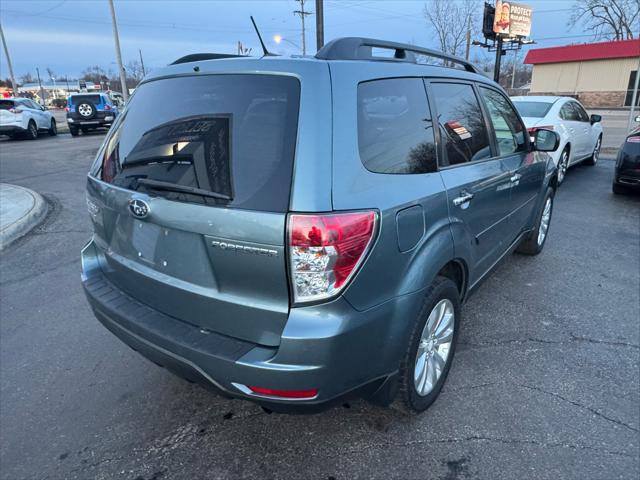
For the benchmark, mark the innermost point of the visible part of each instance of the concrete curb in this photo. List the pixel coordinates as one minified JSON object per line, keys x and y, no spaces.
{"x":34,"y":212}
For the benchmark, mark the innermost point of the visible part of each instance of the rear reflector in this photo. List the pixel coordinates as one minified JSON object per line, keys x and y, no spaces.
{"x":285,"y":393}
{"x":326,"y":250}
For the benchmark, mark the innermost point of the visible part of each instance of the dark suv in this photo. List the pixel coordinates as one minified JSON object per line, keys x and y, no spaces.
{"x":296,"y":231}
{"x":88,"y":111}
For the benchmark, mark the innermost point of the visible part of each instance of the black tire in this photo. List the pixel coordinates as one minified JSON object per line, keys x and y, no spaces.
{"x":408,"y":399}
{"x":53,"y":131}
{"x":88,"y":108}
{"x":531,"y":245}
{"x":619,"y":189}
{"x":563,"y":163}
{"x":32,"y":130}
{"x":85,"y":130}
{"x":593,"y":159}
{"x":74,"y":131}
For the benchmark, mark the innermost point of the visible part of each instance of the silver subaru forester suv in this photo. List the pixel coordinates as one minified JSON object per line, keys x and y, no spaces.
{"x":297,"y":231}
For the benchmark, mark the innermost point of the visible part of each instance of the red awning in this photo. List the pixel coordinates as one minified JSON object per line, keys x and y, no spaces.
{"x":586,"y":51}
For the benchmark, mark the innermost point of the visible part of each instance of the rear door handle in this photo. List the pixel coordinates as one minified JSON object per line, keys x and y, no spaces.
{"x":515,"y":177}
{"x":463,"y":198}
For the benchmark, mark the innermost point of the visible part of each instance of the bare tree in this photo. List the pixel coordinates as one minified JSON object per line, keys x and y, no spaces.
{"x":133,"y":70}
{"x":95,"y":74}
{"x":610,"y":19}
{"x":27,"y":78}
{"x":450,"y":20}
{"x":51,"y":73}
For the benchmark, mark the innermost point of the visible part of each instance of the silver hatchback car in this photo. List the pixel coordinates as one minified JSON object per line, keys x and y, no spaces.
{"x":296,"y":231}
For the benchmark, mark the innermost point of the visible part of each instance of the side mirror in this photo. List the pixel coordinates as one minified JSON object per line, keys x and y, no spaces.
{"x":595,"y":119}
{"x":546,"y":140}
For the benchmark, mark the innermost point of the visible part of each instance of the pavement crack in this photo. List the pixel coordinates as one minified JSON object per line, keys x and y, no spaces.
{"x":580,"y":405}
{"x":572,"y":339}
{"x":485,"y":438}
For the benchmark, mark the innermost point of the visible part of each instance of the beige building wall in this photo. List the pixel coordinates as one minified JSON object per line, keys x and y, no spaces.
{"x":607,"y":75}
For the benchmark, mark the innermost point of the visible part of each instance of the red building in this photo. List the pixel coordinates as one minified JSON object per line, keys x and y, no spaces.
{"x":597,"y":74}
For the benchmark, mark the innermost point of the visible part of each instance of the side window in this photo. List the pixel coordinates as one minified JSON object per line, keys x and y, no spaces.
{"x":395,"y":133}
{"x":582,"y":114}
{"x":510,"y":137}
{"x":567,"y":112}
{"x":462,"y":127}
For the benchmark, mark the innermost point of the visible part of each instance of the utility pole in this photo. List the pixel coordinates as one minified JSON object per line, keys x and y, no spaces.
{"x":116,"y":38}
{"x":634,"y":98}
{"x":302,"y":14}
{"x":466,"y":56}
{"x":513,"y":72}
{"x":496,"y":68}
{"x":319,"y":24}
{"x":41,"y":89}
{"x":6,"y":52}
{"x":142,"y":63}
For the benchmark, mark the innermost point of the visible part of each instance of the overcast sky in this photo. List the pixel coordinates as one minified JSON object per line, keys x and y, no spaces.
{"x":70,"y":35}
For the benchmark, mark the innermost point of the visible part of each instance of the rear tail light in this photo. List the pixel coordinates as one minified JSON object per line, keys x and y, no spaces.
{"x":285,"y":393}
{"x":66,"y":109}
{"x":634,"y":139}
{"x":107,"y":107}
{"x":326,"y":250}
{"x":533,"y":130}
{"x":15,"y":110}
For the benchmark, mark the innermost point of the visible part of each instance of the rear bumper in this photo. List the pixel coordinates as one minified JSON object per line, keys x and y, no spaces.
{"x":99,"y":120}
{"x":8,"y":129}
{"x":331,"y":347}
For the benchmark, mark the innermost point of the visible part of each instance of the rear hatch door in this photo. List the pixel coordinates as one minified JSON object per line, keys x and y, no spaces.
{"x":189,"y":197}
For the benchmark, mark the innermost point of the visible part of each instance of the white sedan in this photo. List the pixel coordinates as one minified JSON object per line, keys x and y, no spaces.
{"x":580,"y":134}
{"x":24,"y":117}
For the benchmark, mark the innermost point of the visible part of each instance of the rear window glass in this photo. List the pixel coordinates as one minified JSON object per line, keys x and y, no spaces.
{"x":6,"y":104}
{"x":224,"y":140}
{"x":533,"y":109}
{"x":78,"y":99}
{"x":395,"y":133}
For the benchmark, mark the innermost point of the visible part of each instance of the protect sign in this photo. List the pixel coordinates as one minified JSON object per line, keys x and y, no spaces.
{"x":512,"y":19}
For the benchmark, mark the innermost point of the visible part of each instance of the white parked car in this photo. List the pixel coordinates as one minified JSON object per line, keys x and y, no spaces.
{"x":24,"y":117}
{"x":580,"y":134}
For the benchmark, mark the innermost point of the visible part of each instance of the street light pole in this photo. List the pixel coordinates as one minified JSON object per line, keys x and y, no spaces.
{"x":6,"y":52}
{"x":116,"y":38}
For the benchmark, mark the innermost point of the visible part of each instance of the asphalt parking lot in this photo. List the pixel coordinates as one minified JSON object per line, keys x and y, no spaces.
{"x":545,"y":383}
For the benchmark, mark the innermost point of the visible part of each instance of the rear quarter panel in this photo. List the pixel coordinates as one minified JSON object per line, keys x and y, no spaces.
{"x":388,"y":272}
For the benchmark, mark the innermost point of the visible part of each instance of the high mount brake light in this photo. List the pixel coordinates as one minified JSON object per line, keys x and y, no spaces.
{"x":326,"y":250}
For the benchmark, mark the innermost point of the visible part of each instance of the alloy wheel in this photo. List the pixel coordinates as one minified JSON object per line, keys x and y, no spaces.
{"x":596,"y":151}
{"x":434,"y":347}
{"x":544,"y":222}
{"x":563,"y":166}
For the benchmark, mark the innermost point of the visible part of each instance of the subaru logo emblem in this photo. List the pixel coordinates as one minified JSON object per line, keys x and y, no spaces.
{"x":138,"y":208}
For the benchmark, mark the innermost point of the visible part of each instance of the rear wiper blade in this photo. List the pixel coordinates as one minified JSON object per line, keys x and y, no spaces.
{"x":174,"y":187}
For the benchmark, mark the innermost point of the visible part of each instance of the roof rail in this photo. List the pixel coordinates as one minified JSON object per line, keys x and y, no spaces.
{"x":356,"y":48}
{"x":196,"y":57}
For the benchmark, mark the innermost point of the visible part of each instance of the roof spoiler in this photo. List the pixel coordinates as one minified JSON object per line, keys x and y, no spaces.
{"x":197,"y":57}
{"x":356,"y":48}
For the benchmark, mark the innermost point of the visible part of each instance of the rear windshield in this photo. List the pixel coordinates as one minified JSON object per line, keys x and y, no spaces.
{"x":224,"y":140}
{"x":533,"y":109}
{"x":78,"y":99}
{"x":6,"y":104}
